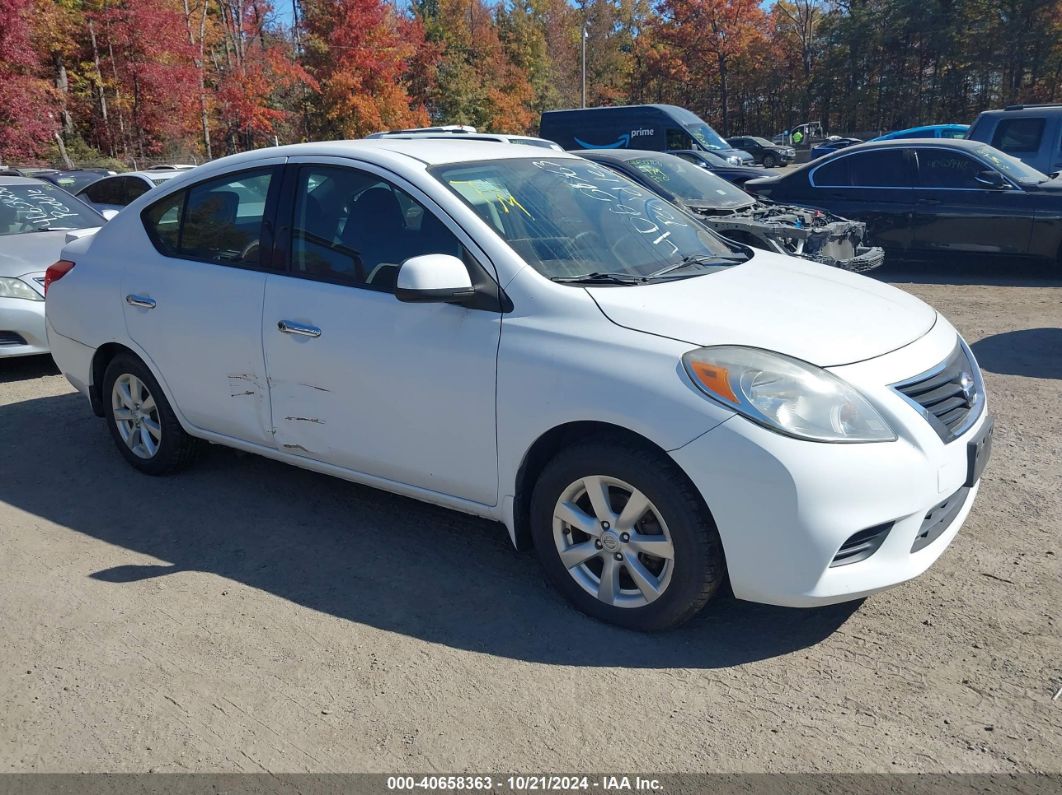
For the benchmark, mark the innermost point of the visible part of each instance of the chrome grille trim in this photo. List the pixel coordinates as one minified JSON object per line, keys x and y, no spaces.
{"x":939,"y":396}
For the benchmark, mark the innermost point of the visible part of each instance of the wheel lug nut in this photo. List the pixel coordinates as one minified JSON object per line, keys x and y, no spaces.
{"x":625,"y":537}
{"x":605,"y":525}
{"x":618,"y":556}
{"x":598,"y":544}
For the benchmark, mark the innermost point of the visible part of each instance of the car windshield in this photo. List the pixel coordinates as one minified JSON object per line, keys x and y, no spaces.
{"x":569,"y":218}
{"x":1011,"y":166}
{"x":693,"y":185}
{"x":707,"y":137}
{"x":73,"y":181}
{"x":42,"y":207}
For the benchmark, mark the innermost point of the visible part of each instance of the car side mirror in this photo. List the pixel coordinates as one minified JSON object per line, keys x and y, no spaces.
{"x":109,"y":214}
{"x":992,"y":179}
{"x":434,"y":278}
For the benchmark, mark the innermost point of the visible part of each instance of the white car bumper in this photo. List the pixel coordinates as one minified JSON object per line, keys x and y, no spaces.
{"x":22,"y":331}
{"x":785,"y":508}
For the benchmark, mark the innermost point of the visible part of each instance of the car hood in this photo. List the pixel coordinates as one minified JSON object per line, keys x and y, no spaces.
{"x":803,"y":309}
{"x":30,"y":252}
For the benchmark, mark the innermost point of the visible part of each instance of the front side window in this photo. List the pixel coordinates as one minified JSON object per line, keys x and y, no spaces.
{"x":104,"y":191}
{"x":41,"y":207}
{"x":130,"y":189}
{"x":1019,"y":135}
{"x":220,"y":220}
{"x":678,"y":139}
{"x":567,"y":218}
{"x":945,"y":168}
{"x":355,"y":228}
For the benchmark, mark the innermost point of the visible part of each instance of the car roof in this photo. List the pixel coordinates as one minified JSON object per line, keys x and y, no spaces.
{"x":24,"y":181}
{"x":899,"y":143}
{"x":428,"y":151}
{"x":625,"y":154}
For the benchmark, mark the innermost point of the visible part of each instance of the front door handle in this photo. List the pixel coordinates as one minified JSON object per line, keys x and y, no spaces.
{"x":143,"y":301}
{"x":303,"y":330}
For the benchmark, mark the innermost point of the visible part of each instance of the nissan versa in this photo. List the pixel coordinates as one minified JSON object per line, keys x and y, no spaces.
{"x":530,"y":337}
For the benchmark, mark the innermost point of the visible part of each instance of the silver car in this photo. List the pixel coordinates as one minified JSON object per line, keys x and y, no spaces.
{"x":36,"y":218}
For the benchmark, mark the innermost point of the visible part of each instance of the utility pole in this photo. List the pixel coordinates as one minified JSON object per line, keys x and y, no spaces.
{"x":585,"y":36}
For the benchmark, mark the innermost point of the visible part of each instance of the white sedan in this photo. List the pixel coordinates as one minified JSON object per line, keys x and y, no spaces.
{"x":529,"y":337}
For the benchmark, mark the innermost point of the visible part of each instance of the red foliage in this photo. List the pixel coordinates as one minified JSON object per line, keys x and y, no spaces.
{"x":27,"y":103}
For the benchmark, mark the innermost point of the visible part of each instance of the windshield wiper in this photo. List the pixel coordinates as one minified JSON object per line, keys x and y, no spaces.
{"x":698,"y":259}
{"x":599,"y":278}
{"x":51,"y":228}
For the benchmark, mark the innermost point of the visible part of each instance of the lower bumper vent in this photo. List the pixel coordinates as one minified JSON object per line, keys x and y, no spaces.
{"x":861,"y":545}
{"x":939,"y":518}
{"x":11,"y":338}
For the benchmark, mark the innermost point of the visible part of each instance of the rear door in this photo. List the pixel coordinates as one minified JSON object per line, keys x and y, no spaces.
{"x":875,"y":186}
{"x":956,"y":213}
{"x":193,"y":302}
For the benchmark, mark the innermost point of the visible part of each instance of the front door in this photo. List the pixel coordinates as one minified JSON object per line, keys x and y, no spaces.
{"x":957,"y":214}
{"x":359,"y":379}
{"x":193,"y":303}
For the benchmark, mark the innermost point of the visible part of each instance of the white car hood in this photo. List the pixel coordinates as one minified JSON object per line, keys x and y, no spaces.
{"x":813,"y":312}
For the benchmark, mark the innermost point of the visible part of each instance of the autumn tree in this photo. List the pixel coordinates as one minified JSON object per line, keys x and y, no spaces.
{"x":27,"y":102}
{"x":364,"y":56}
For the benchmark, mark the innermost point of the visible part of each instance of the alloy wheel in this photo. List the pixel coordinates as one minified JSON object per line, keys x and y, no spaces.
{"x":613,"y":541}
{"x":136,"y":416}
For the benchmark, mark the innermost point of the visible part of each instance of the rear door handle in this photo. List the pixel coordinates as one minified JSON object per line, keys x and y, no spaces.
{"x":302,"y":329}
{"x":143,"y":301}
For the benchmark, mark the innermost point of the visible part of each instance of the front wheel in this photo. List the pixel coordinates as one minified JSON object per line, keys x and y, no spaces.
{"x":142,"y":424}
{"x":624,"y":536}
{"x":770,"y":161}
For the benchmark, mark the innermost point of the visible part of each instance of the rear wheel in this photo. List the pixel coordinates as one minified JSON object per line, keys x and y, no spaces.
{"x":770,"y":161}
{"x":624,"y":536}
{"x":142,"y":424}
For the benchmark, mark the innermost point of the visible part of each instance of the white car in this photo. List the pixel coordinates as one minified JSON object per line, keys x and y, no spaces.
{"x":535,"y":339}
{"x":36,"y":219}
{"x":466,"y":133}
{"x":114,"y":193}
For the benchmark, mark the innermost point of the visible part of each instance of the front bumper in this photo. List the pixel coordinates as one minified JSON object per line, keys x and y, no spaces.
{"x":784,"y":507}
{"x":22,"y":331}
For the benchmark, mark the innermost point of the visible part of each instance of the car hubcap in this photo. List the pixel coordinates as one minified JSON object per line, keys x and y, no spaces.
{"x":613,"y":541}
{"x":136,"y":416}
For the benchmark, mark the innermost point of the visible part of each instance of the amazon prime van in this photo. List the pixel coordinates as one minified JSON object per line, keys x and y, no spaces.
{"x":662,"y":128}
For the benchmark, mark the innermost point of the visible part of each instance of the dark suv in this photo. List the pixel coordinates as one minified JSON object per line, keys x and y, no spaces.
{"x":1031,"y":133}
{"x":763,"y":151}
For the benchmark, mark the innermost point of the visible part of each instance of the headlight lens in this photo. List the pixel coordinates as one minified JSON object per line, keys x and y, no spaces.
{"x":16,"y":288}
{"x":786,"y":395}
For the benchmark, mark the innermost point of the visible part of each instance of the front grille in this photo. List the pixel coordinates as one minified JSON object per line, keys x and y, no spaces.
{"x":950,"y":396}
{"x":861,"y":545}
{"x":11,"y":338}
{"x":939,"y":518}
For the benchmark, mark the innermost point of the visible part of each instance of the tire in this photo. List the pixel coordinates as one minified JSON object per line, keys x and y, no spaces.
{"x":142,"y":424}
{"x":616,"y":470}
{"x":770,"y":161}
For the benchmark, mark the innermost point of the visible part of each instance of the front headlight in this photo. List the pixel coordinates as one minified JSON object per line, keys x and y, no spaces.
{"x":786,"y":395}
{"x":16,"y":288}
{"x":734,"y":160}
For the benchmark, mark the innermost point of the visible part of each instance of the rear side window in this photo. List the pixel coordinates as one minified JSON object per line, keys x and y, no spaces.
{"x":220,"y":220}
{"x":130,"y":189}
{"x":885,"y":169}
{"x":1019,"y":135}
{"x":105,"y":191}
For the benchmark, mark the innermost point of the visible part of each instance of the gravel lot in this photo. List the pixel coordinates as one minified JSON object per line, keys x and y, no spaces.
{"x":249,"y":616}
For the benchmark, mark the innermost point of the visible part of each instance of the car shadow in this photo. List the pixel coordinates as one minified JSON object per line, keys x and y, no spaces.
{"x":359,"y":554}
{"x":23,"y":368}
{"x":1032,"y":352}
{"x":969,"y":271}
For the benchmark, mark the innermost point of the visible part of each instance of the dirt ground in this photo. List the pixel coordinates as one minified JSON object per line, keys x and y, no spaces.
{"x":249,"y":616}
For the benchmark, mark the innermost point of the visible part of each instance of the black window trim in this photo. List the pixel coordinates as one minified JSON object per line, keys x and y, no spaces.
{"x":266,"y":244}
{"x":915,"y":186}
{"x":489,"y":294}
